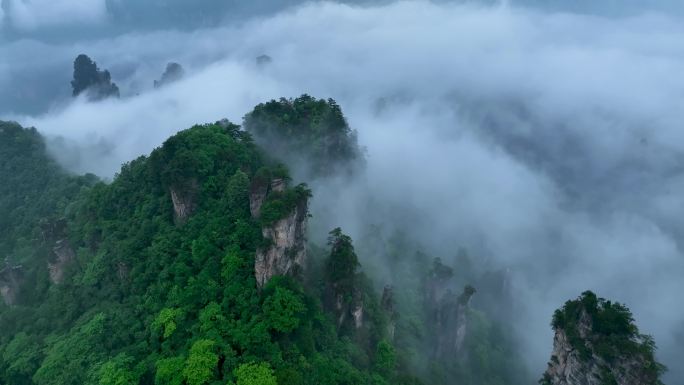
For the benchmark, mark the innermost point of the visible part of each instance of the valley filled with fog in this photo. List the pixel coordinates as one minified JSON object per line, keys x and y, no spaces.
{"x":545,"y":142}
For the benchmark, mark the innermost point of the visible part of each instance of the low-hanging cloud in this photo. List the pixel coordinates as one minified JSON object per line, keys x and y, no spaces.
{"x":546,"y":143}
{"x":29,"y":15}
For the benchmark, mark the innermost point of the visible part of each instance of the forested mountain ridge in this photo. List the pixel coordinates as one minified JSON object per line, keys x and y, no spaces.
{"x":193,"y":267}
{"x":151,"y":296}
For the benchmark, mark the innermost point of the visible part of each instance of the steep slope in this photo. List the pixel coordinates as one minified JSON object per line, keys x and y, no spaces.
{"x":425,"y":314}
{"x":34,"y":194}
{"x":193,"y":267}
{"x":597,"y":343}
{"x":155,"y":277}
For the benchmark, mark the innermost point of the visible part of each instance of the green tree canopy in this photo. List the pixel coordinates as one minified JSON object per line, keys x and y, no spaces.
{"x":306,"y":129}
{"x":255,"y":374}
{"x":342,"y":265}
{"x":201,"y":366}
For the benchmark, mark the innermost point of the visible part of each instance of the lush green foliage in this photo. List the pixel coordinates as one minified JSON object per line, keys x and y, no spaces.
{"x":283,"y":310}
{"x":148,"y":300}
{"x":201,"y":364}
{"x":255,"y":374}
{"x":278,"y":204}
{"x":305,"y":132}
{"x":342,"y":265}
{"x":34,"y":192}
{"x":33,"y":186}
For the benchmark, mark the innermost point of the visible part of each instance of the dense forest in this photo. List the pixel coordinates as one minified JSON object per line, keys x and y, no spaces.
{"x":192,"y":266}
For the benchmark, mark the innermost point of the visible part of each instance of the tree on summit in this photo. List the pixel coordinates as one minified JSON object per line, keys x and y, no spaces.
{"x":343,"y":264}
{"x":309,"y":130}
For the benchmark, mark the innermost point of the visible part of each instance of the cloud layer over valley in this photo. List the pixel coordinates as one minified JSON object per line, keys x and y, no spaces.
{"x":547,"y":143}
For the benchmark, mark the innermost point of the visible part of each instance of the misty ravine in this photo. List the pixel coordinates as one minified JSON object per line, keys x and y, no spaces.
{"x":341,"y":192}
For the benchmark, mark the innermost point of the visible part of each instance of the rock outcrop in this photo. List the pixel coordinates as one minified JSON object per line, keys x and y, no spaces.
{"x":10,"y":280}
{"x":52,"y":230}
{"x":388,"y":306}
{"x":54,"y":234}
{"x":88,"y":78}
{"x":173,"y":73}
{"x":358,"y":316}
{"x":566,"y":366}
{"x":437,"y":284}
{"x":63,"y":254}
{"x":447,"y":312}
{"x":286,"y":237}
{"x":184,"y":201}
{"x":8,"y":294}
{"x":350,"y":311}
{"x":596,"y":343}
{"x":258,"y":192}
{"x":122,"y":271}
{"x":451,"y":322}
{"x":345,"y":295}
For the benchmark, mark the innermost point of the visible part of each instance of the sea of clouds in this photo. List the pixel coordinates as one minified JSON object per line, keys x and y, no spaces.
{"x":548,"y":142}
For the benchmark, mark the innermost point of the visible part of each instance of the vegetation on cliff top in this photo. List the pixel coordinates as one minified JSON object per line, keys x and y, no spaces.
{"x":308,"y":132}
{"x":278,"y":204}
{"x":598,"y":327}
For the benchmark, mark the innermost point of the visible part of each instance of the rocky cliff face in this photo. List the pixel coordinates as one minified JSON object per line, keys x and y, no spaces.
{"x":54,"y":234}
{"x":566,"y":366}
{"x":259,"y":191}
{"x":257,"y":194}
{"x":63,"y":255}
{"x":286,"y":252}
{"x":10,"y":279}
{"x":447,"y":312}
{"x":8,"y":294}
{"x":451,"y":322}
{"x":584,"y":353}
{"x":388,"y":306}
{"x":350,"y":311}
{"x":184,"y":200}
